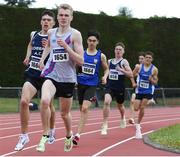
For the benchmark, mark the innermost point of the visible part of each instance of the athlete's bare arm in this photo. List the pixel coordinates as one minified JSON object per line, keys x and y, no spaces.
{"x":29,"y":50}
{"x":77,"y":54}
{"x":105,"y":68}
{"x":154,"y":77}
{"x":126,"y":69}
{"x":135,"y":73}
{"x":136,"y":70}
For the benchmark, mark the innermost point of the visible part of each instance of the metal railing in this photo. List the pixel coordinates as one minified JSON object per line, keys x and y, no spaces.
{"x":162,"y":96}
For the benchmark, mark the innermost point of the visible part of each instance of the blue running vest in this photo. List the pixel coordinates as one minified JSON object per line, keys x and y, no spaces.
{"x":89,"y":72}
{"x":144,"y":86}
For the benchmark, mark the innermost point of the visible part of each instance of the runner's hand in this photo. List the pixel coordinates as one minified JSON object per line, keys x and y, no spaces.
{"x":44,"y":42}
{"x":26,"y":61}
{"x":62,"y":43}
{"x":41,"y":65}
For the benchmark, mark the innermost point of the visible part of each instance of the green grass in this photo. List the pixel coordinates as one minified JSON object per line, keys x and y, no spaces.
{"x":169,"y":137}
{"x":9,"y":105}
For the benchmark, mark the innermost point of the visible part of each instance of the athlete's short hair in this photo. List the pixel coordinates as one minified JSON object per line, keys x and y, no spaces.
{"x":48,"y":12}
{"x":149,"y":53}
{"x":93,"y":33}
{"x":120,"y":44}
{"x":66,"y":6}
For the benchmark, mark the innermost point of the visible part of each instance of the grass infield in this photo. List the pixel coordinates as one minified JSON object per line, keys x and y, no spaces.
{"x":168,"y":137}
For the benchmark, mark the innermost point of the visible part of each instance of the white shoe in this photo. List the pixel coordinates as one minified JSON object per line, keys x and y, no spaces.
{"x":104,"y":129}
{"x":138,"y":134}
{"x":23,"y":139}
{"x":123,"y":123}
{"x":51,"y":139}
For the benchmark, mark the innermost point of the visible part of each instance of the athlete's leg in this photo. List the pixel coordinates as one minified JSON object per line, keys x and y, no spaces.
{"x":141,"y":110}
{"x":52,"y":124}
{"x":132,"y":105}
{"x":48,"y":92}
{"x":66,"y":104}
{"x":84,"y":114}
{"x":139,"y":105}
{"x":106,"y":111}
{"x":53,"y":115}
{"x":122,"y":112}
{"x":106,"y":107}
{"x":28,"y":91}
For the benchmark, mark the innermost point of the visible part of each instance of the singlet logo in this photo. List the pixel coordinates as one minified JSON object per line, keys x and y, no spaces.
{"x":95,"y":61}
{"x":53,"y":40}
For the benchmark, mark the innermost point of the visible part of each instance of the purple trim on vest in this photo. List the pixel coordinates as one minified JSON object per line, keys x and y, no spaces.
{"x":52,"y":64}
{"x":49,"y":69}
{"x":68,"y":39}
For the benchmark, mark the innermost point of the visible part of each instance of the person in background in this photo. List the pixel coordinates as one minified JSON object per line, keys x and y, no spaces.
{"x":118,"y":69}
{"x":147,"y":78}
{"x":88,"y":78}
{"x":33,"y":83}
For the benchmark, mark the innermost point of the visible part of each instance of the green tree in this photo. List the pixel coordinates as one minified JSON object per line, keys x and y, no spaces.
{"x":124,"y":12}
{"x":102,"y":13}
{"x":19,"y":3}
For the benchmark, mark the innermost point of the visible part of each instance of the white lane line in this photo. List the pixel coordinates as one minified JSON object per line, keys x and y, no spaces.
{"x":34,"y":116}
{"x":112,"y":121}
{"x":39,"y":124}
{"x":91,"y":132}
{"x":116,"y":144}
{"x":76,"y":118}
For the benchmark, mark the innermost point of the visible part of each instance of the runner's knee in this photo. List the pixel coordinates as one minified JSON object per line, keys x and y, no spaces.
{"x":64,"y":115}
{"x":24,"y":102}
{"x":84,"y":109}
{"x":45,"y":103}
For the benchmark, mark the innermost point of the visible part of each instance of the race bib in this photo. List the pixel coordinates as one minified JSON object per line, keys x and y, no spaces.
{"x":88,"y":68}
{"x":144,"y":85}
{"x":34,"y":63}
{"x":59,"y":55}
{"x":113,"y":75}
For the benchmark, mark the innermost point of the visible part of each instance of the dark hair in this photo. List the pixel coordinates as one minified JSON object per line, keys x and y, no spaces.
{"x":141,"y":53}
{"x":93,"y":33}
{"x":149,"y":53}
{"x":120,"y":44}
{"x":48,"y":12}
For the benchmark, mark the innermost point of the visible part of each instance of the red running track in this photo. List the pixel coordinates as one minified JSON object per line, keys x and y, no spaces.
{"x":118,"y":142}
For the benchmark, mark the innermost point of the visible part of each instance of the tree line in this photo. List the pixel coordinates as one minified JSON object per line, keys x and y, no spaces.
{"x":159,"y":35}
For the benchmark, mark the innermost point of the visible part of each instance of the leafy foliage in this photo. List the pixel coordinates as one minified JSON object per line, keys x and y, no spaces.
{"x":160,"y":35}
{"x":19,"y":3}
